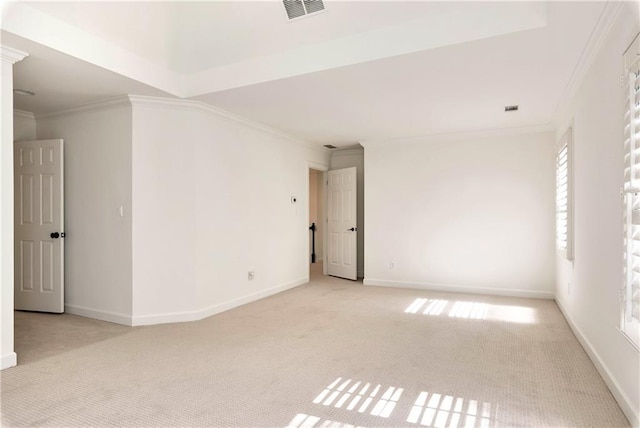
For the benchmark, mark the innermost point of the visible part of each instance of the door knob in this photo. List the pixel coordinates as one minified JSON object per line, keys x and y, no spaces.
{"x":55,"y":235}
{"x":353,"y":229}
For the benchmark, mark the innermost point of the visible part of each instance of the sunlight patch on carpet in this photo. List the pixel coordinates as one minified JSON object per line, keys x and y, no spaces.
{"x":473,"y":310}
{"x":359,"y":396}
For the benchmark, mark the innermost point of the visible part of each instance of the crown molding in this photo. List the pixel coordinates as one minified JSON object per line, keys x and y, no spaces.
{"x":234,"y":118}
{"x":23,"y":114}
{"x":161,"y":103}
{"x":182,"y":104}
{"x":177,"y":104}
{"x":110,"y":103}
{"x":466,"y":135}
{"x":599,"y":34}
{"x":11,"y":55}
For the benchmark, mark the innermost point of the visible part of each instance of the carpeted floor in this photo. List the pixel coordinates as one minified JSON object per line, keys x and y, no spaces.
{"x":330,"y":353}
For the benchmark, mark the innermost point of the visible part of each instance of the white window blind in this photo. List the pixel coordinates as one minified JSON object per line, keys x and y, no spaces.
{"x":563,"y":200}
{"x":630,"y":295}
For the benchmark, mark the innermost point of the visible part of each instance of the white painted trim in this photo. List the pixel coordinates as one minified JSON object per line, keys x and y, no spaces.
{"x":162,"y":103}
{"x":97,"y":314}
{"x":174,"y":317}
{"x":109,"y":103}
{"x":156,"y":102}
{"x":178,"y":104}
{"x":594,"y":44}
{"x":623,"y":401}
{"x":24,"y":114}
{"x":317,"y":166}
{"x":465,"y":135}
{"x":8,"y":360}
{"x":11,"y":55}
{"x":510,"y":292}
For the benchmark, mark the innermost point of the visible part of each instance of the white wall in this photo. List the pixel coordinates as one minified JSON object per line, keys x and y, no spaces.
{"x":97,"y":172}
{"x":164,"y":219}
{"x":471,"y":215}
{"x":188,"y":179}
{"x":8,"y":57}
{"x":197,"y":180}
{"x":591,"y":305}
{"x":24,"y":126}
{"x":348,"y":158}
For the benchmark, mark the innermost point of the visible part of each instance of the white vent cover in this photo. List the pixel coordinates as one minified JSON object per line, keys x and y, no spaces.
{"x":298,"y":8}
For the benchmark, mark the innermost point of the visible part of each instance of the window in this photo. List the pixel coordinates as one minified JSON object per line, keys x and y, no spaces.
{"x":563,"y":197}
{"x":630,"y":293}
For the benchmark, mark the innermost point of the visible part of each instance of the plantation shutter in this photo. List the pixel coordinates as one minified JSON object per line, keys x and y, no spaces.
{"x":562,"y":198}
{"x":630,"y":295}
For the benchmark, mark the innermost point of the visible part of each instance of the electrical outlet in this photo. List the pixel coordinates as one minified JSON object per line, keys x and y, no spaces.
{"x":392,"y":265}
{"x":251,"y":275}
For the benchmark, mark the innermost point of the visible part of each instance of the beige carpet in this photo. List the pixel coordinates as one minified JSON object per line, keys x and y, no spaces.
{"x":330,"y":353}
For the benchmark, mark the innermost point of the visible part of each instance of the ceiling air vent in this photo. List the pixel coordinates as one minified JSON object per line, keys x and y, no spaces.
{"x":511,"y":108}
{"x":298,"y":8}
{"x":329,"y":146}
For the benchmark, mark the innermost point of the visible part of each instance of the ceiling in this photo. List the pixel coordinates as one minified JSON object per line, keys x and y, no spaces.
{"x":359,"y":71}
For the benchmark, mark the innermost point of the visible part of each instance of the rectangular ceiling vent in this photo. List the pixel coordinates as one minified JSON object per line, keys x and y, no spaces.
{"x":298,"y":8}
{"x":511,"y":108}
{"x":330,"y":146}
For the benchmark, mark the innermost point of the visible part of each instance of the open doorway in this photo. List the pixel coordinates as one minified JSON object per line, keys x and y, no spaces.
{"x":316,"y":223}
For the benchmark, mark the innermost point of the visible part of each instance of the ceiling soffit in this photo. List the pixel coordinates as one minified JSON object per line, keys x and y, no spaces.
{"x":454,"y":24}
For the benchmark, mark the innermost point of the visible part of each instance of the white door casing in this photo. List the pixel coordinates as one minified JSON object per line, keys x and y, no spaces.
{"x":39,"y":225}
{"x":342,"y":223}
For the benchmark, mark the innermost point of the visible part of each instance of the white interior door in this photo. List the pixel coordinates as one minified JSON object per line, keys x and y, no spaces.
{"x":342,"y":226}
{"x":39,"y":225}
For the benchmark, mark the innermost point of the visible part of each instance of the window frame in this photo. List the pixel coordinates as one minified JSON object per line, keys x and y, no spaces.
{"x":565,"y":252}
{"x":630,"y":324}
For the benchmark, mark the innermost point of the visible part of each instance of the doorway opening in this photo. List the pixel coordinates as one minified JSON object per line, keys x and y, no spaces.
{"x":316,"y":222}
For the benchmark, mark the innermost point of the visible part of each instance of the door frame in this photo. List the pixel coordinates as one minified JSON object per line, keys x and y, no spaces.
{"x":322,"y":168}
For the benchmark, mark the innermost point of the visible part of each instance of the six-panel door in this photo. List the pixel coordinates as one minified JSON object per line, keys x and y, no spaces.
{"x":39,"y":226}
{"x":342,"y":223}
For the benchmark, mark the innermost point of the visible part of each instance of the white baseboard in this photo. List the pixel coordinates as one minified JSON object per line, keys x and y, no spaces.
{"x":461,"y":289}
{"x":8,"y":360}
{"x":625,"y":404}
{"x":97,"y":314}
{"x":214,"y":309}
